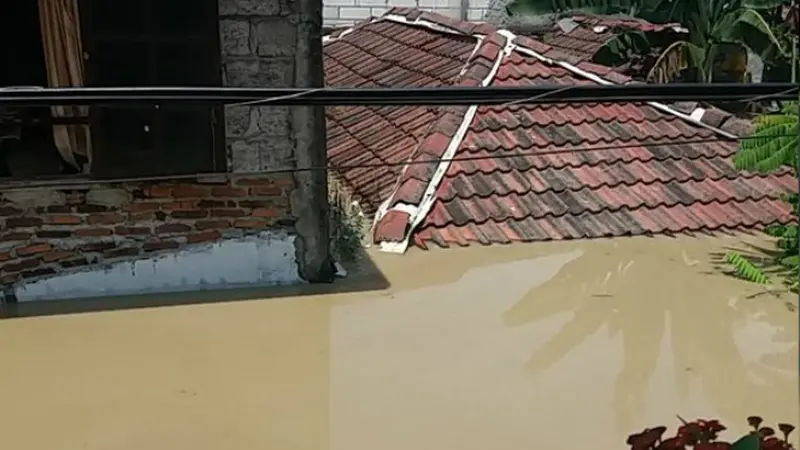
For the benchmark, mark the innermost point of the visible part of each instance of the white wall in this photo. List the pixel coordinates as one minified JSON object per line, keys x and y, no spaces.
{"x":264,"y":259}
{"x":346,"y":12}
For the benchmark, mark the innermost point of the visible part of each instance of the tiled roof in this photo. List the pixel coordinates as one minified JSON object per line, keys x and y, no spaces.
{"x":592,"y":32}
{"x":384,"y":54}
{"x":528,"y":173}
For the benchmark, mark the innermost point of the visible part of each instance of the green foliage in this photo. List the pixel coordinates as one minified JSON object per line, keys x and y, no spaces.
{"x":773,"y":147}
{"x":745,"y":269}
{"x":715,"y":27}
{"x":348,"y":231}
{"x":774,"y":143}
{"x":536,"y":7}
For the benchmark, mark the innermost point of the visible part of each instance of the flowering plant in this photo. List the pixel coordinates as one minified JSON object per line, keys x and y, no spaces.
{"x":704,"y":435}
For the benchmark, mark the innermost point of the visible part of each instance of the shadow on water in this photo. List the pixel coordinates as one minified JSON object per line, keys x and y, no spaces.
{"x":363,"y":276}
{"x":737,"y":350}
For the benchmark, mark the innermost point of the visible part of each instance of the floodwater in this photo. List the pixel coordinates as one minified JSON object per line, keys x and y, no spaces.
{"x":556,"y":345}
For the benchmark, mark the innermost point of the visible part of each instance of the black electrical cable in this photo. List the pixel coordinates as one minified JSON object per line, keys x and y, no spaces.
{"x":64,"y":182}
{"x":698,"y":92}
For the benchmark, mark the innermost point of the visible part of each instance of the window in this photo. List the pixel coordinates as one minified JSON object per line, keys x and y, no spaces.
{"x":119,"y":43}
{"x":154,"y":43}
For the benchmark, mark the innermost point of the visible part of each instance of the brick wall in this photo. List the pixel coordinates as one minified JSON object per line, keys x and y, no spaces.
{"x":57,"y":231}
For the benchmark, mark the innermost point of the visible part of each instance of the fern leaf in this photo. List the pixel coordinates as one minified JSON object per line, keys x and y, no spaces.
{"x":745,"y":269}
{"x":773,"y":144}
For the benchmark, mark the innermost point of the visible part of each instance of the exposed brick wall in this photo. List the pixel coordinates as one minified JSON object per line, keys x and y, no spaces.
{"x":51,"y":231}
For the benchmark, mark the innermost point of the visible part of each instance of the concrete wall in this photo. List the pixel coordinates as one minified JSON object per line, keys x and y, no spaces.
{"x":347,"y":12}
{"x":228,"y":230}
{"x":278,"y":43}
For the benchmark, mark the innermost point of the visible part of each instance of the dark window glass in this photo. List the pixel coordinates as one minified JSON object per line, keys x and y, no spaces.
{"x":172,"y":18}
{"x":114,"y":17}
{"x":183,"y":65}
{"x":121,"y":63}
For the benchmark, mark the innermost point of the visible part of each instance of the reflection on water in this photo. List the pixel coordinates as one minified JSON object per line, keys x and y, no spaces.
{"x":543,"y":346}
{"x":735,"y":352}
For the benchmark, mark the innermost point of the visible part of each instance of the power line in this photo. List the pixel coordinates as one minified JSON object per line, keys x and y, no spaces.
{"x":493,"y":95}
{"x":61,"y":182}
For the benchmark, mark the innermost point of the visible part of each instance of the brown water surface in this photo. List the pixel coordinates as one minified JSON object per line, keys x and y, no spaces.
{"x":558,"y":346}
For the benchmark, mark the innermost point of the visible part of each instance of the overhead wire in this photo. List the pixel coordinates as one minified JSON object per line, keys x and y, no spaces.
{"x":545,"y":96}
{"x":66,"y":182}
{"x":434,"y":96}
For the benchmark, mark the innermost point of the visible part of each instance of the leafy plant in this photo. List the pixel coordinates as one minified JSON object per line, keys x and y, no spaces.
{"x":773,"y":144}
{"x":704,"y":435}
{"x":773,"y":147}
{"x":720,"y":34}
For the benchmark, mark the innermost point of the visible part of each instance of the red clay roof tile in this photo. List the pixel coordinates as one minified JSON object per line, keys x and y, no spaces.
{"x":529,"y":172}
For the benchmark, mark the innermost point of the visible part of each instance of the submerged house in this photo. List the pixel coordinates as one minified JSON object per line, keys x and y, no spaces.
{"x":84,"y":206}
{"x":525,"y":172}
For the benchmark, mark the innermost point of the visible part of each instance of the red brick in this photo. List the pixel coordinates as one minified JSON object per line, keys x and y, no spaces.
{"x":132,"y":231}
{"x":265,"y":212}
{"x":15,"y":236}
{"x":211,"y":204}
{"x":206,"y":236}
{"x":57,"y":255}
{"x":104,"y":219}
{"x":9,"y":278}
{"x":227,"y":191}
{"x":228,"y":213}
{"x":141,"y":217}
{"x":93,"y":232}
{"x":142,"y":207}
{"x":158,"y":191}
{"x":91,"y":209}
{"x":33,"y":249}
{"x":179,"y":206}
{"x":5,"y":256}
{"x":256,"y":182}
{"x":154,"y":246}
{"x":62,"y":220}
{"x":122,"y":252}
{"x":189,"y":191}
{"x":9,"y":211}
{"x":20,"y":265}
{"x":23,"y":222}
{"x":41,"y":271}
{"x":266,"y":191}
{"x":77,"y":262}
{"x":98,"y":246}
{"x":59,"y":209}
{"x":250,"y":223}
{"x":193,"y":214}
{"x":256,"y":203}
{"x":172,"y":228}
{"x":211,"y":224}
{"x":75,"y":198}
{"x":53,"y":234}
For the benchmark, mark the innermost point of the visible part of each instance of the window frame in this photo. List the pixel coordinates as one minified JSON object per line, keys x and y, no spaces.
{"x":209,"y":39}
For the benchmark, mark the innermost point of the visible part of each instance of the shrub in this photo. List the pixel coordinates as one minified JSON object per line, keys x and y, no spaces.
{"x":704,"y":435}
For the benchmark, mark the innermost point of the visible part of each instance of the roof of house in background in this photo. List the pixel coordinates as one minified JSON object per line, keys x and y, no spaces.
{"x":526,"y":172}
{"x":584,"y":35}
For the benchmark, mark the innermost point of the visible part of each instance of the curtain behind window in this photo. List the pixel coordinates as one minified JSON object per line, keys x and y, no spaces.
{"x":63,"y":52}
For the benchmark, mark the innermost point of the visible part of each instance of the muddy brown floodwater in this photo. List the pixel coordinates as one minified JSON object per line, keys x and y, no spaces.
{"x":559,"y":346}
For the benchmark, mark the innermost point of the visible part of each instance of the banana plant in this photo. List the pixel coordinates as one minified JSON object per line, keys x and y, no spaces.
{"x":720,"y":34}
{"x":522,"y":8}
